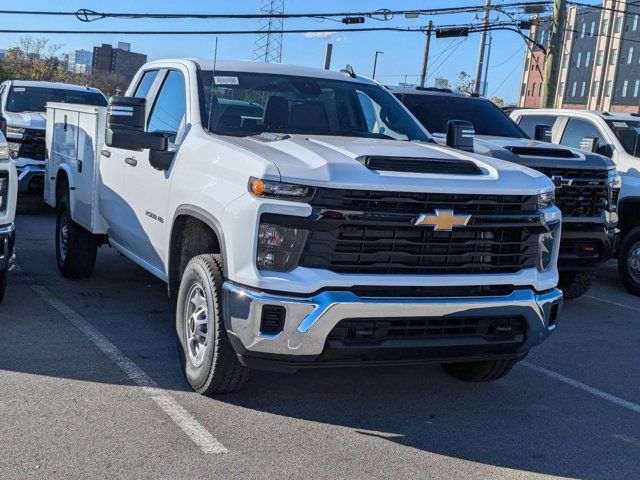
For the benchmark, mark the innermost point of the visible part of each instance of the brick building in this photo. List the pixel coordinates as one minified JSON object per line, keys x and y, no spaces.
{"x":600,"y":64}
{"x":119,"y":61}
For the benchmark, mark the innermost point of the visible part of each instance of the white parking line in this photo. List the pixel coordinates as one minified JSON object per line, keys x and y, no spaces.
{"x":634,"y":407}
{"x":189,"y":425}
{"x":611,"y":302}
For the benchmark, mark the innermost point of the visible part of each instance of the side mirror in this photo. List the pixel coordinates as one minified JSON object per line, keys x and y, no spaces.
{"x":161,"y":160}
{"x":543,"y":133}
{"x":590,"y":144}
{"x":460,"y":134}
{"x":126,"y":125}
{"x":3,"y":126}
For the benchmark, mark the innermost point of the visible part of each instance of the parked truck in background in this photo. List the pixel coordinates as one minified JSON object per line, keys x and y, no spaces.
{"x":302,"y":218}
{"x":22,"y":104}
{"x":8,"y":194}
{"x":587,"y":184}
{"x":614,"y":135}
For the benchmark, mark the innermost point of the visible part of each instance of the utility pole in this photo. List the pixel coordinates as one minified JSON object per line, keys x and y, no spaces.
{"x":425,"y":59}
{"x":327,"y":56}
{"x":483,"y":41}
{"x":486,"y":67}
{"x":375,"y":64}
{"x":554,"y":55}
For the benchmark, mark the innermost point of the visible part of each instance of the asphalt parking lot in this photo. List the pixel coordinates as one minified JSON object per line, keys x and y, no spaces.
{"x":90,"y":387}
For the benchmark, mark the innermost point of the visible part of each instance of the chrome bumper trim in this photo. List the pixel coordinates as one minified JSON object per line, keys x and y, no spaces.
{"x":7,"y":229}
{"x":310,"y":320}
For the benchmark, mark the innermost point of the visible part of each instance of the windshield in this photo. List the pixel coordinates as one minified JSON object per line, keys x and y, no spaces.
{"x":628,"y":132}
{"x":434,"y":111}
{"x":34,"y":99}
{"x":240,"y":103}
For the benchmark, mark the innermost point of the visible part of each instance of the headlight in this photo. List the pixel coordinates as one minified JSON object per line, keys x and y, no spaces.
{"x":279,"y":248}
{"x":4,"y":185}
{"x":546,"y":199}
{"x":614,"y":180}
{"x":4,"y":152}
{"x":546,"y":244}
{"x":14,"y":149}
{"x":15,"y":132}
{"x":280,"y":190}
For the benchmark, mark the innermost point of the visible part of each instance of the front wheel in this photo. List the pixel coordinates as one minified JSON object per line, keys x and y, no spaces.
{"x":484,"y":371}
{"x":209,"y":361}
{"x":576,"y":284}
{"x":76,"y":247}
{"x":629,"y":261}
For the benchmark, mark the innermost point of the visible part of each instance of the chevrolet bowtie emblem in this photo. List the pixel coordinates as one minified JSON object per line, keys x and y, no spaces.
{"x":560,"y":182}
{"x":442,"y":220}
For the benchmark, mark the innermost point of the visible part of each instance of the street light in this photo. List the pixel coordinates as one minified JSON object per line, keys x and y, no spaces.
{"x":375,"y":63}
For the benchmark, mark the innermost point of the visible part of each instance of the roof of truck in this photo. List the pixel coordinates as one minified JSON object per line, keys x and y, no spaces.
{"x":269,"y":68}
{"x":63,"y":86}
{"x":572,"y":112}
{"x":430,"y":91}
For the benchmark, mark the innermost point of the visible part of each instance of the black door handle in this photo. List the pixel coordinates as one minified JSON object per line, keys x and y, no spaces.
{"x":131,"y":161}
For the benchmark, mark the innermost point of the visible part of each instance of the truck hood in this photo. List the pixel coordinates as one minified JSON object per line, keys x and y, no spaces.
{"x":35,"y":120}
{"x":535,"y":154}
{"x":337,"y":162}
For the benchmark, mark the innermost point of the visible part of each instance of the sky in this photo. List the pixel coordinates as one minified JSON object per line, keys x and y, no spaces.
{"x":401,"y":60}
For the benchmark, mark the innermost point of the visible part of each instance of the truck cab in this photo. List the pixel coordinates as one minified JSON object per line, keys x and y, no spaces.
{"x":22,"y":104}
{"x":617,"y":136}
{"x":8,"y":194}
{"x":586,"y":182}
{"x":302,"y":218}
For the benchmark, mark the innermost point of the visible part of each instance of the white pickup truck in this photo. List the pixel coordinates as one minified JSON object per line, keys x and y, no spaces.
{"x":304,"y":218}
{"x":8,"y":195}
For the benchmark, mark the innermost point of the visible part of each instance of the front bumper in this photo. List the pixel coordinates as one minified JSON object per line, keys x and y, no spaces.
{"x":585,"y":246}
{"x":7,"y":241}
{"x":304,"y":339}
{"x":30,"y":179}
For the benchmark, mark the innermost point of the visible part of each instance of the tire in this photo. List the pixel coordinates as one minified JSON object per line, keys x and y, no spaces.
{"x":485,"y":371}
{"x":209,"y":362}
{"x":76,"y":248}
{"x":3,"y":283}
{"x":629,"y":261}
{"x":576,"y":284}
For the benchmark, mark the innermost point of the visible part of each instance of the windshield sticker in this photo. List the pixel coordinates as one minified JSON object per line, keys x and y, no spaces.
{"x":226,"y":80}
{"x":18,"y":89}
{"x":620,"y":124}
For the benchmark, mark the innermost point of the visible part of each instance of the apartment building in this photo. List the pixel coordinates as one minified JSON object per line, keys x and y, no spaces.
{"x":120,"y":60}
{"x":600,"y":64}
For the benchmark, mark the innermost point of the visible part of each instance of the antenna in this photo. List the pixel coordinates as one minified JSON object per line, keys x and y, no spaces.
{"x":268,"y":45}
{"x":213,"y":82}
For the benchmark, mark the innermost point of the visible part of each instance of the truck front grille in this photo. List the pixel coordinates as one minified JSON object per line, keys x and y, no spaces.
{"x":411,"y":250}
{"x":587,"y":194}
{"x":33,"y":145}
{"x":416,"y":203}
{"x":358,"y":331}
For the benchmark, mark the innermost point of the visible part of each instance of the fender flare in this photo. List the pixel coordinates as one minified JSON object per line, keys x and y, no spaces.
{"x":622,"y":204}
{"x":208,"y":219}
{"x":72,"y":186}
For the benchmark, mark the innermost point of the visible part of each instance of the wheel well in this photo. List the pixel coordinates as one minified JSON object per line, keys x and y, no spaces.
{"x":629,"y":215}
{"x":190,"y":237}
{"x":62,"y":185}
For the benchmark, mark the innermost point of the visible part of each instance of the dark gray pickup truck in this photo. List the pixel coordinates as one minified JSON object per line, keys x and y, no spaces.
{"x":587,"y":185}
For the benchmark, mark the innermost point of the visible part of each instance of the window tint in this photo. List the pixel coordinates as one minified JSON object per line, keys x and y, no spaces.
{"x":435,"y":111}
{"x":34,"y":99}
{"x":168,"y":112}
{"x":145,"y":83}
{"x":528,"y":123}
{"x":578,"y":129}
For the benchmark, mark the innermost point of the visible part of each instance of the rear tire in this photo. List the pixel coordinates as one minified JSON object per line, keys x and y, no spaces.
{"x":576,"y":284}
{"x":209,"y":362}
{"x":76,"y":247}
{"x":629,"y":261}
{"x":3,"y":282}
{"x":484,"y":371}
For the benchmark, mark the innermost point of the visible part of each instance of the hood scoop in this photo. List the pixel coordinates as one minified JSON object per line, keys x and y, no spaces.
{"x":437,"y":166}
{"x":542,"y":152}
